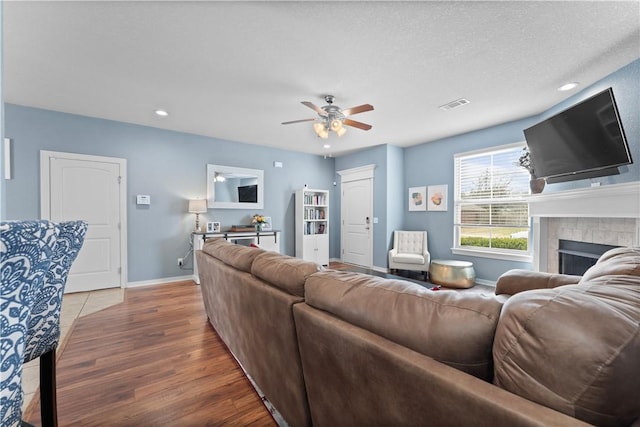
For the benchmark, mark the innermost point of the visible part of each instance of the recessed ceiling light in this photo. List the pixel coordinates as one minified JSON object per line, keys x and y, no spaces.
{"x":327,"y":146}
{"x":568,"y":86}
{"x":161,"y":113}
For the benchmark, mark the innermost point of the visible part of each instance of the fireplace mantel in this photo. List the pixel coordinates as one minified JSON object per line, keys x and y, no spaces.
{"x":607,"y":201}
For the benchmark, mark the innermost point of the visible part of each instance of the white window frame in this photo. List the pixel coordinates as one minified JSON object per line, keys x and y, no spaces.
{"x":502,"y":254}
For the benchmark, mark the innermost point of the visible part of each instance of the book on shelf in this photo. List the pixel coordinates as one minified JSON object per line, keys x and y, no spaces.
{"x":314,"y":199}
{"x":312,"y":228}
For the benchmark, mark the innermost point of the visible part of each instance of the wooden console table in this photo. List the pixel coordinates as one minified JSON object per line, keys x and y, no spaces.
{"x":267,"y":240}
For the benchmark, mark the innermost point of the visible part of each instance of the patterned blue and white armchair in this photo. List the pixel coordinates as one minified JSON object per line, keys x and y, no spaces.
{"x":27,"y":250}
{"x":43,"y":334}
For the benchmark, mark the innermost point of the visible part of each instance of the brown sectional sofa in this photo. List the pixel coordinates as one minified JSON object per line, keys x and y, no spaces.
{"x":254,"y":317}
{"x":332,"y":348}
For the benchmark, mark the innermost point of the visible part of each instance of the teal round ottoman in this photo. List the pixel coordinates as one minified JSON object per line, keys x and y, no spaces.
{"x":452,"y":273}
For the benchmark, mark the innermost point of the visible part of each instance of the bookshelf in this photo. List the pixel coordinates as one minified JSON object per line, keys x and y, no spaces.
{"x":312,"y":225}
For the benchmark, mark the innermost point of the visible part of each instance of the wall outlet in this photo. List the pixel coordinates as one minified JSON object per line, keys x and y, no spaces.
{"x":180,"y":262}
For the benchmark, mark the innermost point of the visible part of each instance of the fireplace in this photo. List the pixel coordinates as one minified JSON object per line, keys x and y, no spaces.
{"x":605,"y":215}
{"x":576,"y":257}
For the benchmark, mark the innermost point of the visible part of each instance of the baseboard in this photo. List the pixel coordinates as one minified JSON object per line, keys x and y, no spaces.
{"x":164,"y":281}
{"x":485,"y":282}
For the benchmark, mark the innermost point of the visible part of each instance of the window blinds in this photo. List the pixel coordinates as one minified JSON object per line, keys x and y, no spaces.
{"x":490,"y":190}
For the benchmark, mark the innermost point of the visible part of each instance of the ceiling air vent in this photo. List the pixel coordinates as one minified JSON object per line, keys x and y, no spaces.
{"x":454,"y":104}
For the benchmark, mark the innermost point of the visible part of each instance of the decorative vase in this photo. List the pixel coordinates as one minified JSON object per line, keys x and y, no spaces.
{"x":536,"y":185}
{"x":258,"y":226}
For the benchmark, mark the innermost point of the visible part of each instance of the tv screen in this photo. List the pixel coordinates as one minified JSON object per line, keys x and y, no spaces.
{"x":581,"y":141}
{"x":248,"y":194}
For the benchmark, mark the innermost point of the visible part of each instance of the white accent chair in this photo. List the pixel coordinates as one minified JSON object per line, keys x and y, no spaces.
{"x":410,"y":252}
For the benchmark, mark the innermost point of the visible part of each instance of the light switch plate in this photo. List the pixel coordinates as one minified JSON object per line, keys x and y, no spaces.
{"x":143,"y":199}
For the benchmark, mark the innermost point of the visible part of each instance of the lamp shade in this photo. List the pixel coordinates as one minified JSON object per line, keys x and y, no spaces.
{"x":197,"y":206}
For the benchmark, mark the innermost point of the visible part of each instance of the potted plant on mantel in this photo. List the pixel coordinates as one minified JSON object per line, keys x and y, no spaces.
{"x":535,"y":184}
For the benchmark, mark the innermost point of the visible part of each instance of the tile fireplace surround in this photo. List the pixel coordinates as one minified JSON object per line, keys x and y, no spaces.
{"x":608,"y":214}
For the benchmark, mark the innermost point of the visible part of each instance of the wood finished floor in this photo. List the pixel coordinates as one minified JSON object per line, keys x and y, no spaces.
{"x":153,"y":360}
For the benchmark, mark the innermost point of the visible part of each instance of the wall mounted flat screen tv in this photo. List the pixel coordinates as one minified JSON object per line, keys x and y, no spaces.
{"x":248,"y":194}
{"x":583,"y":141}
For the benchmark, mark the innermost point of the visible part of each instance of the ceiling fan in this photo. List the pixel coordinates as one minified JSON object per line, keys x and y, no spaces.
{"x":333,"y":118}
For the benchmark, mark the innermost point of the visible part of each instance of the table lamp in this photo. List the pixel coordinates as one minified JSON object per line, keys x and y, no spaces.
{"x":197,"y":207}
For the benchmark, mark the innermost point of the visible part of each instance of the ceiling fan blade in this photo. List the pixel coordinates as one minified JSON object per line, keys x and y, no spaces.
{"x":355,"y":124}
{"x":298,"y":121}
{"x":355,"y":110}
{"x":315,"y":108}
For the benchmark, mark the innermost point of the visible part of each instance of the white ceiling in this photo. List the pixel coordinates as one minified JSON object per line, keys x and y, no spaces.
{"x":236,"y":70}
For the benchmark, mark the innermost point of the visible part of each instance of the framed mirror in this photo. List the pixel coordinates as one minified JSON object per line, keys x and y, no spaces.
{"x":230,"y":187}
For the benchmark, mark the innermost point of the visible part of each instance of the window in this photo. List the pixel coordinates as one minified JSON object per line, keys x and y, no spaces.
{"x":490,"y":206}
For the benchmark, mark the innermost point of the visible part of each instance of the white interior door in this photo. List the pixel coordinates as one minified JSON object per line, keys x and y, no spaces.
{"x":357,"y":221}
{"x":88,"y":188}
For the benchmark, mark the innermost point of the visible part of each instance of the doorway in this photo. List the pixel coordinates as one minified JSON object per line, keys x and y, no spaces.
{"x":90,"y":188}
{"x":356,"y":231}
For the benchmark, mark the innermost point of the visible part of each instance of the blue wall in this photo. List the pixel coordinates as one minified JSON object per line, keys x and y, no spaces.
{"x":171,"y":167}
{"x":432,"y":164}
{"x":3,"y":197}
{"x":168,"y":166}
{"x":395,"y":196}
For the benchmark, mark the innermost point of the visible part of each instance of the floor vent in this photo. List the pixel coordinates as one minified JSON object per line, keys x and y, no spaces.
{"x":454,"y":104}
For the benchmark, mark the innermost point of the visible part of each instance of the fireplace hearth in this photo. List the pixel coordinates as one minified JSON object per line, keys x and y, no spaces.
{"x":576,"y":257}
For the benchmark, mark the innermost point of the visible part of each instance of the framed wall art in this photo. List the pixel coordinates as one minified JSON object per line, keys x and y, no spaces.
{"x":417,"y":198}
{"x":437,"y":197}
{"x":213,"y":227}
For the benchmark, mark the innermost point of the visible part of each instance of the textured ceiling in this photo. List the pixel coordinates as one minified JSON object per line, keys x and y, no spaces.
{"x":236,"y":70}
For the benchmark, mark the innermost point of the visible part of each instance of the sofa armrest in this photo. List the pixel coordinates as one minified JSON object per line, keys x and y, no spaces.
{"x":515,"y":281}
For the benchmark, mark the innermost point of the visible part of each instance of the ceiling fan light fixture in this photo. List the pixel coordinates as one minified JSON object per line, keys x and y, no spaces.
{"x":333,"y":119}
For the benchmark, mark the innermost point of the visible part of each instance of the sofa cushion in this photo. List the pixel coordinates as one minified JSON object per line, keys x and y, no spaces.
{"x":409,"y":258}
{"x":284,"y":272}
{"x":623,"y":260}
{"x":574,"y":349}
{"x":452,"y":327}
{"x":237,"y":256}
